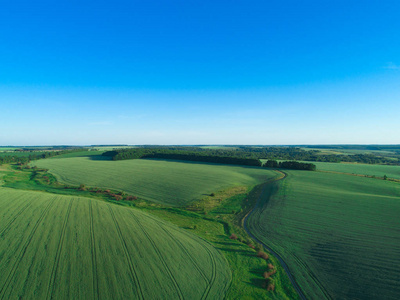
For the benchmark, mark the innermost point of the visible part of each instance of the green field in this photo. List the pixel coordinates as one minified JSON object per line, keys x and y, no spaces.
{"x":362,"y":169}
{"x":62,"y":247}
{"x":168,"y":182}
{"x":339,"y":234}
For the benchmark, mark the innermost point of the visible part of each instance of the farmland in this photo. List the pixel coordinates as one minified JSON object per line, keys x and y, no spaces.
{"x":362,"y":169}
{"x":338,"y":233}
{"x":62,"y":247}
{"x":169,"y":182}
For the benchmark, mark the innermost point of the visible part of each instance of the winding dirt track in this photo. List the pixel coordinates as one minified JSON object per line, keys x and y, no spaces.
{"x":282,"y":262}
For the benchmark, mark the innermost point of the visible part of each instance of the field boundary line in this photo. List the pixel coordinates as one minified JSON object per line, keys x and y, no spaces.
{"x":282,"y":262}
{"x":21,"y":254}
{"x":160,"y":256}
{"x":93,"y":250}
{"x":53,"y":276}
{"x":124,"y":246}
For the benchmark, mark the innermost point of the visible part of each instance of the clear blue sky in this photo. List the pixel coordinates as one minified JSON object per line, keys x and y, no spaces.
{"x":199,"y":72}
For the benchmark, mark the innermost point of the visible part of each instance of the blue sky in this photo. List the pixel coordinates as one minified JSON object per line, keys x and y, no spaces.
{"x":199,"y":72}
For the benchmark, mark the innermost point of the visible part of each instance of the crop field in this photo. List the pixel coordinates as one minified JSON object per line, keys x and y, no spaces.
{"x":362,"y":169}
{"x":339,"y":234}
{"x":168,"y":182}
{"x":62,"y":247}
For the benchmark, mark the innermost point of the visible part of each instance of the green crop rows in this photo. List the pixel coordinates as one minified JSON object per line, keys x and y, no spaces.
{"x":362,"y":169}
{"x":62,"y":247}
{"x":173,"y":183}
{"x":338,"y":233}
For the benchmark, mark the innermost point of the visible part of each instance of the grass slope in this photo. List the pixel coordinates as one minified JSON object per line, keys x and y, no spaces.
{"x":168,"y":182}
{"x":339,"y":234}
{"x":64,"y":247}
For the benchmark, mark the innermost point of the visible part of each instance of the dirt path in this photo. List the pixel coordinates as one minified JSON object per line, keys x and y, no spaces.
{"x":282,"y":262}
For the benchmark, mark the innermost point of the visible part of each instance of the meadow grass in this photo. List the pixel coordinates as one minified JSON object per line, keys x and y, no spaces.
{"x":168,"y":182}
{"x":339,"y":234}
{"x":64,"y":247}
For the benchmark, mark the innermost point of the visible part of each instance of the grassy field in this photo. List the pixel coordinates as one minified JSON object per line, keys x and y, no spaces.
{"x":338,"y":233}
{"x":64,"y":247}
{"x":168,"y":182}
{"x":362,"y":169}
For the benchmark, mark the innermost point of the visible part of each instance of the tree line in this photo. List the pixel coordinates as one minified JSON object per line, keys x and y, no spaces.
{"x":293,"y":165}
{"x":9,"y":159}
{"x":263,"y":152}
{"x":200,"y":156}
{"x":203,"y":156}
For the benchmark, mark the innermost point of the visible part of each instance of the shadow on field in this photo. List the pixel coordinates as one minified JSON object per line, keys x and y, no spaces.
{"x":202,"y":163}
{"x":259,"y":271}
{"x":257,"y":282}
{"x":100,"y":157}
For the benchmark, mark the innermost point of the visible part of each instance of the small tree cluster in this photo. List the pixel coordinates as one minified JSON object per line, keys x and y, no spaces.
{"x":118,"y":197}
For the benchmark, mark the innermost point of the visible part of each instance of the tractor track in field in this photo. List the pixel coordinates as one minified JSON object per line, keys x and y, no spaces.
{"x":53,"y":276}
{"x":7,"y":226}
{"x":171,"y":275}
{"x":124,"y":246}
{"x":21,"y":254}
{"x":213,"y":273}
{"x":213,"y":268}
{"x":93,"y":250}
{"x":180,"y":245}
{"x":210,"y":281}
{"x":282,"y":262}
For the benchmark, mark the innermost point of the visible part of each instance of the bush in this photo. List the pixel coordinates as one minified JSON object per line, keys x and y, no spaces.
{"x":269,"y":274}
{"x":118,"y":197}
{"x":82,"y":187}
{"x":271,"y":266}
{"x":259,"y":247}
{"x":251,"y":246}
{"x":262,"y":255}
{"x":269,"y":284}
{"x":212,"y":194}
{"x":233,"y":236}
